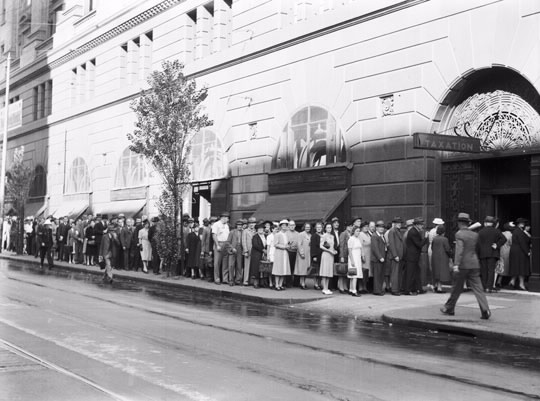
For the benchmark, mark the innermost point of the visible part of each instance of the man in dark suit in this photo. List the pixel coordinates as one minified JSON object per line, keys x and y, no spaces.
{"x":134,"y":251}
{"x":126,"y":235}
{"x":378,"y":257}
{"x":467,"y":267}
{"x":99,"y":229}
{"x":45,"y":243}
{"x":395,"y":254}
{"x":61,"y":236}
{"x":413,"y":248}
{"x":107,"y":244}
{"x":490,"y":240}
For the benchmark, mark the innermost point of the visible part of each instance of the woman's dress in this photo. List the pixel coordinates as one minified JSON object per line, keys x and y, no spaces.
{"x":355,"y":256}
{"x":440,"y":258}
{"x":303,"y":255}
{"x":146,"y":250}
{"x":327,"y":259}
{"x":365,"y":239}
{"x":520,"y":262}
{"x":193,"y":243}
{"x":505,"y":253}
{"x":281,"y":265}
{"x":257,"y":251}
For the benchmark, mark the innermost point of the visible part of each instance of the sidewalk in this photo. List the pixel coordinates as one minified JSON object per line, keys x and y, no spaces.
{"x":515,"y":315}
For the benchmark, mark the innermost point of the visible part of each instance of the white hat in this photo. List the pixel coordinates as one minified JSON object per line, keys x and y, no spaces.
{"x":284,"y":221}
{"x":47,"y":222}
{"x":438,"y":221}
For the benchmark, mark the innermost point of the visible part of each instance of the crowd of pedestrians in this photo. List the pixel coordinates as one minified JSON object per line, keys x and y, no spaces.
{"x":358,"y":257}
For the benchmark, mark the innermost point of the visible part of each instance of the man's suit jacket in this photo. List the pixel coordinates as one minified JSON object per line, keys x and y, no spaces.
{"x":61,"y":233}
{"x":378,"y":248}
{"x":466,"y":243}
{"x":205,"y":240}
{"x":395,"y":243}
{"x":125,"y":237}
{"x":106,"y":246}
{"x":247,"y":240}
{"x":486,"y":237}
{"x":413,"y":245}
{"x":235,"y":238}
{"x":344,"y":245}
{"x":45,"y":236}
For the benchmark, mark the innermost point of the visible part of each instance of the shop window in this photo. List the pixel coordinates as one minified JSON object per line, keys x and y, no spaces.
{"x":39,"y":182}
{"x":208,"y":161}
{"x":311,"y":138}
{"x":79,"y":178}
{"x":131,"y":171}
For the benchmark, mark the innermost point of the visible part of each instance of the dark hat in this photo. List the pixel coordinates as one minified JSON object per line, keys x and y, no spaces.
{"x":225,"y":214}
{"x":464,"y":217}
{"x":354,"y":218}
{"x":240,"y":222}
{"x":489,"y":219}
{"x":190,"y":220}
{"x":260,"y":224}
{"x":397,"y":220}
{"x":205,"y":220}
{"x":379,"y":223}
{"x":114,"y":216}
{"x":252,"y":220}
{"x":523,"y":221}
{"x":334,"y":219}
{"x":155,"y":219}
{"x":418,"y":220}
{"x":105,"y":216}
{"x":98,"y":216}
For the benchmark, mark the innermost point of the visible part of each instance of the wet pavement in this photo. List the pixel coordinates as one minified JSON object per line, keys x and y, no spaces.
{"x":299,"y":349}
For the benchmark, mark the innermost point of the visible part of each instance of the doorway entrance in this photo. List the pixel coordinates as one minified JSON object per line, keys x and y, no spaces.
{"x":509,"y":207}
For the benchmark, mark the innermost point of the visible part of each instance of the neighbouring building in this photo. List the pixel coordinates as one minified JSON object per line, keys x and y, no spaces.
{"x":314,"y":103}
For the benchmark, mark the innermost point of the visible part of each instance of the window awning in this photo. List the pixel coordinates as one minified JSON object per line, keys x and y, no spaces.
{"x":72,"y":209}
{"x":34,"y":209}
{"x":301,"y":206}
{"x":130,"y":208}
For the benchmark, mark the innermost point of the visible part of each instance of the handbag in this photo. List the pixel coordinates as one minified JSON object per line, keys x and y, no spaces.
{"x":340,"y":269}
{"x":499,"y":267}
{"x":353,"y":271}
{"x":326,"y":245}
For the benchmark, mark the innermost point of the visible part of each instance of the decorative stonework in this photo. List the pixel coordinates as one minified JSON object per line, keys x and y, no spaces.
{"x":502,"y":120}
{"x":387,"y":105}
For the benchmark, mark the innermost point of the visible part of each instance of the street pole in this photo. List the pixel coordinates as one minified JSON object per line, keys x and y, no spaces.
{"x":4,"y":143}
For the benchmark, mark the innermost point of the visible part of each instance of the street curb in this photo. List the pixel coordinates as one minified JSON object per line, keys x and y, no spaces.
{"x":460,"y":330}
{"x":172,"y":284}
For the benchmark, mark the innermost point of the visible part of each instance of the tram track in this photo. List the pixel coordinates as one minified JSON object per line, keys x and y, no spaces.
{"x":292,"y":380}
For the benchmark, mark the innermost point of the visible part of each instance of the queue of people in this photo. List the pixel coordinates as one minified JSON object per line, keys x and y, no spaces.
{"x":399,"y":258}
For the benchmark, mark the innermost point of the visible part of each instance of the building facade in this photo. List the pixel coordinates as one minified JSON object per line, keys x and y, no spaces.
{"x":314,"y":103}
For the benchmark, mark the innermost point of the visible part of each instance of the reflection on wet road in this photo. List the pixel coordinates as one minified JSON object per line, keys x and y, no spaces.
{"x":244,"y":349}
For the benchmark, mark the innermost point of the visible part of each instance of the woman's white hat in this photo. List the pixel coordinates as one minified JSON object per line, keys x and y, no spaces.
{"x":438,"y":221}
{"x":47,"y":222}
{"x":284,"y":221}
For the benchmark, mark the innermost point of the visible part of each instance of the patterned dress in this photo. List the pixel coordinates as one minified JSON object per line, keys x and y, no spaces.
{"x":327,"y":259}
{"x":303,"y":256}
{"x":281,"y":265}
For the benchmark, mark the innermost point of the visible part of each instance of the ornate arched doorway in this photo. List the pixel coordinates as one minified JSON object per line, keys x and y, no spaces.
{"x":502,"y":109}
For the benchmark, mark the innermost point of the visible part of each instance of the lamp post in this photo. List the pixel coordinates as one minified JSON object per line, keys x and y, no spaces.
{"x":4,"y":143}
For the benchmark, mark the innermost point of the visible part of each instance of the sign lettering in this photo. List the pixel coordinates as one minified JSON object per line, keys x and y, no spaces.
{"x":449,"y":143}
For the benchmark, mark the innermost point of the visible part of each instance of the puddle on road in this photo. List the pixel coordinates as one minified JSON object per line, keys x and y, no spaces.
{"x":347,"y":328}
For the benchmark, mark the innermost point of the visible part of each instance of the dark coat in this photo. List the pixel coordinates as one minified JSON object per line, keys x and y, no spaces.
{"x":440,"y":258}
{"x":45,"y":237}
{"x":466,"y":256}
{"x":125,"y":237}
{"x":413,"y":245}
{"x":486,"y":237}
{"x":378,"y":248}
{"x":395,"y":243}
{"x":520,"y":262}
{"x":315,"y":249}
{"x":257,"y":251}
{"x":106,"y":248}
{"x":193,"y":257}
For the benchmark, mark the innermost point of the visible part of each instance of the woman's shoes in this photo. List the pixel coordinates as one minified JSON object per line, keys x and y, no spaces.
{"x":327,"y":292}
{"x":303,"y":287}
{"x":145,"y":271}
{"x":355,"y":294}
{"x":317,"y":287}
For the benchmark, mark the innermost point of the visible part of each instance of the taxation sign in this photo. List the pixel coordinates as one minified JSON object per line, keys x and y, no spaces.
{"x":449,"y":143}
{"x":14,"y":115}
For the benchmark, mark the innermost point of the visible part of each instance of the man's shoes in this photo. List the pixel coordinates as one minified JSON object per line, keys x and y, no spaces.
{"x":397,"y":294}
{"x":486,"y":314}
{"x":446,"y":311}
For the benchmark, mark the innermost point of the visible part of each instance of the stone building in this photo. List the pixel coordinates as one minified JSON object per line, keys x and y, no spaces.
{"x":314,"y":103}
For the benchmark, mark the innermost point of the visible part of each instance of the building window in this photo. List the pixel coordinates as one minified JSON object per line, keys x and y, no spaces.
{"x":136,"y":59}
{"x":79,"y":178}
{"x":42,"y":100}
{"x":311,"y":138}
{"x":39,"y":182}
{"x":131,"y":171}
{"x":208,"y":161}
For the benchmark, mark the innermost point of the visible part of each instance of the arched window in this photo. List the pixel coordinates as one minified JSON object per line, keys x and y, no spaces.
{"x":310,"y":138}
{"x":78,"y":179}
{"x":39,"y":182}
{"x":131,"y":171}
{"x":208,"y":161}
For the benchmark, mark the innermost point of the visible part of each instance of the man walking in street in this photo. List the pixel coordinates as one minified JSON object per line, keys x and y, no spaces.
{"x":45,"y":242}
{"x":395,"y":254}
{"x":490,"y":240}
{"x":106,"y":251}
{"x":467,"y":267}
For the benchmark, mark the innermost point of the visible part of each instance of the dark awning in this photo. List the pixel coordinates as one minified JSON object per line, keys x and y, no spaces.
{"x":301,"y":206}
{"x":72,"y":209}
{"x":34,"y":209}
{"x":130,"y":208}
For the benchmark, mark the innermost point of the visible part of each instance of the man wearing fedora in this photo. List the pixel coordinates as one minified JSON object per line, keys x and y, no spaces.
{"x":247,"y":243}
{"x":490,"y":241}
{"x":395,"y":254}
{"x":414,"y":242}
{"x":467,"y":267}
{"x":45,"y":243}
{"x":220,"y":235}
{"x":379,"y":247}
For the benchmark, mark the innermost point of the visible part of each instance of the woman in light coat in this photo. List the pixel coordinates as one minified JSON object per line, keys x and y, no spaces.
{"x":145,"y":245}
{"x":303,"y":255}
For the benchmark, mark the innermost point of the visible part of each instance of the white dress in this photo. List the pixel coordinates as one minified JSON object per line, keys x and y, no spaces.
{"x":355,"y":256}
{"x":281,"y":265}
